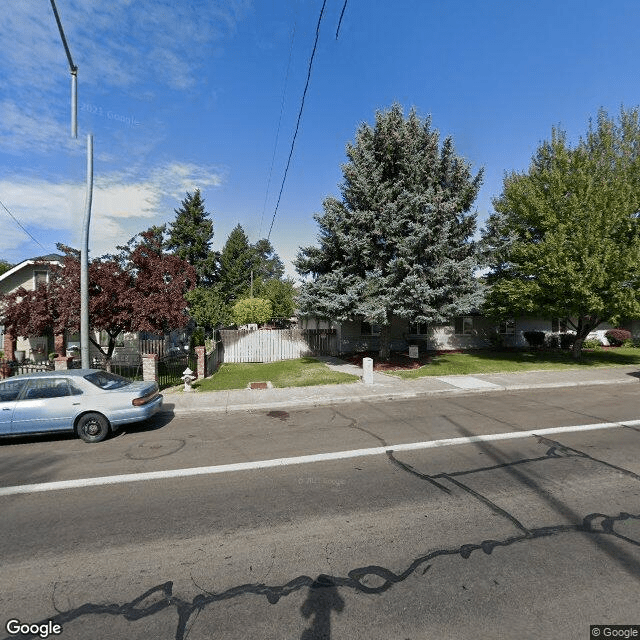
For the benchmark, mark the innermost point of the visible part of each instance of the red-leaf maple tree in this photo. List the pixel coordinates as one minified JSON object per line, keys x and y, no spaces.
{"x":142,"y":289}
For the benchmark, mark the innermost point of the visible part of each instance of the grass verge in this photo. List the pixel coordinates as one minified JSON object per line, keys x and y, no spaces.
{"x":302,"y":372}
{"x":513,"y":361}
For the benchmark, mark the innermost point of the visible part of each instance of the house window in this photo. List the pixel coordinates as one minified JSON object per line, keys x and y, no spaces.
{"x":416,"y":328}
{"x":507,"y":327}
{"x":558,"y":325}
{"x":40,"y":277}
{"x":463,"y":325}
{"x":367,"y":329}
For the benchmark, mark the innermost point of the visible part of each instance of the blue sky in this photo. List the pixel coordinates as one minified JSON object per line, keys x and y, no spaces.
{"x":186,"y":95}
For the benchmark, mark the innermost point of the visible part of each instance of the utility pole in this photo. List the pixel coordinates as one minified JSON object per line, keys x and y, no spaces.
{"x":84,"y":251}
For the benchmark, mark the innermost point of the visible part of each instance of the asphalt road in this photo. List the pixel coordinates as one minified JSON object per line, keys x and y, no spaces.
{"x":527,"y":537}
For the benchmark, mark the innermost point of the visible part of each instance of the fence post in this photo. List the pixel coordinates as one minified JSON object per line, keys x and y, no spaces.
{"x":5,"y":369}
{"x":62,"y":362}
{"x":9,"y":346}
{"x":202,"y":362}
{"x":150,"y":367}
{"x":58,"y":344}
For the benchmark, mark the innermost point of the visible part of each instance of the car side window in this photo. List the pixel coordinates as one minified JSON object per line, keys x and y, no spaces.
{"x":10,"y":390}
{"x":38,"y":388}
{"x":75,"y":391}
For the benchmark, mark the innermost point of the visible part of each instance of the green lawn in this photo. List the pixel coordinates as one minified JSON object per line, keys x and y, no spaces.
{"x":500,"y":362}
{"x":302,"y":372}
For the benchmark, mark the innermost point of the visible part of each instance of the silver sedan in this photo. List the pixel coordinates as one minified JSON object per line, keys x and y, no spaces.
{"x":90,"y":402}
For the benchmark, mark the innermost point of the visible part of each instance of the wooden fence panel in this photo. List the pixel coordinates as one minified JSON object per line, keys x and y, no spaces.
{"x":263,"y":345}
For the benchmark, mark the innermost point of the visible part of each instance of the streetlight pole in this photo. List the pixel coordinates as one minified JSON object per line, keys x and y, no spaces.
{"x":74,"y":75}
{"x":84,"y":250}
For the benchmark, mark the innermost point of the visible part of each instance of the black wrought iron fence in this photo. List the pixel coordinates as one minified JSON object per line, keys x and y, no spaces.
{"x":14,"y":368}
{"x":171,"y":368}
{"x":129,"y":366}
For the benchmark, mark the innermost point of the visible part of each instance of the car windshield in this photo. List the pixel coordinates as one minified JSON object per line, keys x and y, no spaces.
{"x":106,"y":380}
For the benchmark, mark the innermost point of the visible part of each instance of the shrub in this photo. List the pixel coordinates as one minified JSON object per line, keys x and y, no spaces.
{"x":567,"y":340}
{"x":252,"y":310}
{"x":197,"y":338}
{"x":617,"y":337}
{"x":534,"y":338}
{"x":593,"y":343}
{"x":553,"y":341}
{"x":494,"y":338}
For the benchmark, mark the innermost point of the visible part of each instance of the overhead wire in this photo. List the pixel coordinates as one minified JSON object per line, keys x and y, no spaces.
{"x":18,"y":223}
{"x":344,"y":6}
{"x":284,"y":93}
{"x":295,"y":135}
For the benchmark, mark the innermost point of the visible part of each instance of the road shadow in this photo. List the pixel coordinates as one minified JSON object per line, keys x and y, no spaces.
{"x":155,"y":423}
{"x":323,"y":598}
{"x":626,"y":561}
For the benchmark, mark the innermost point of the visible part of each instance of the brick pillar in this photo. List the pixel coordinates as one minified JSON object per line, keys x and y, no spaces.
{"x":62,"y":362}
{"x":9,"y":346}
{"x":58,"y":344}
{"x":202,"y":362}
{"x":150,"y":366}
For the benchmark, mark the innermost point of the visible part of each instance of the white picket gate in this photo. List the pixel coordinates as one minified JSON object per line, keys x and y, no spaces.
{"x":263,"y":345}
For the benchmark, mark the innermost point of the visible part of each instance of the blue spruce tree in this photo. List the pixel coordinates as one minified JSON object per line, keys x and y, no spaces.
{"x":398,"y":243}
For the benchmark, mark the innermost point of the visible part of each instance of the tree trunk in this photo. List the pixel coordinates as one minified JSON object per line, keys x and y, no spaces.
{"x":385,"y":342}
{"x":585,"y":326}
{"x":576,"y":350}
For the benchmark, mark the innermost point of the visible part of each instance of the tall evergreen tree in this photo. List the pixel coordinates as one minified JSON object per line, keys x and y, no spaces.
{"x":269,"y":266}
{"x":398,"y":244}
{"x":237,"y":260}
{"x":564,"y":240}
{"x":190,"y":236}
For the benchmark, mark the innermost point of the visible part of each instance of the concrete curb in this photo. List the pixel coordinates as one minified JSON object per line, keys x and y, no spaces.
{"x":384,"y":394}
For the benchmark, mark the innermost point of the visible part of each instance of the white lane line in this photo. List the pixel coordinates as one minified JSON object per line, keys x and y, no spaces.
{"x":316,"y":457}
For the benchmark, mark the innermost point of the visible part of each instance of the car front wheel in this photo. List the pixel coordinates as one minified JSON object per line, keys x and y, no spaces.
{"x":93,"y":427}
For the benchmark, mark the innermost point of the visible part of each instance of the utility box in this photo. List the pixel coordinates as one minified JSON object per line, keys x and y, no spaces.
{"x":413,"y":351}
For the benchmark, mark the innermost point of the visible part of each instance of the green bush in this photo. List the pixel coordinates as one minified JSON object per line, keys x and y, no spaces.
{"x":197,"y":338}
{"x":534,"y":338}
{"x":252,"y":310}
{"x":567,"y":340}
{"x":593,"y":343}
{"x":553,"y":341}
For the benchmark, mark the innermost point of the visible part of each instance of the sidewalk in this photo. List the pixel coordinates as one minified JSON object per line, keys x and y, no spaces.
{"x":387,"y":387}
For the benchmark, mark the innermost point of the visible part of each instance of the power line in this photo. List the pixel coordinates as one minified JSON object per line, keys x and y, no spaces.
{"x":295,"y":135}
{"x":344,"y":6}
{"x":18,"y":223}
{"x":284,"y":93}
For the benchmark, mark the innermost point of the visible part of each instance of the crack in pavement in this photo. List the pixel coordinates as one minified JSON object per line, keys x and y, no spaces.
{"x":145,"y":605}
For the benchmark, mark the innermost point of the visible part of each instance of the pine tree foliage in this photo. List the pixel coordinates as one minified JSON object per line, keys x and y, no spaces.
{"x":190,"y":236}
{"x":237,"y":260}
{"x":268,"y":264}
{"x":564,"y":240}
{"x":398,"y":243}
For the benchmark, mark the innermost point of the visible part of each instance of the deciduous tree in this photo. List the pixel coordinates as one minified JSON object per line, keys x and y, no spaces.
{"x":398,"y":243}
{"x":142,"y":289}
{"x":252,"y":310}
{"x":564,"y":240}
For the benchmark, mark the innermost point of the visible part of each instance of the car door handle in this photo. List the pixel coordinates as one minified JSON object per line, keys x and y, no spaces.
{"x":76,"y":404}
{"x":6,"y":408}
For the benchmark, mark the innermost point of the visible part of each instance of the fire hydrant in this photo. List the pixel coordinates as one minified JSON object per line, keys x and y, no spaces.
{"x":188,"y":377}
